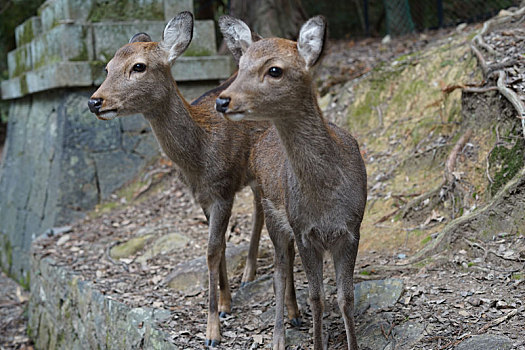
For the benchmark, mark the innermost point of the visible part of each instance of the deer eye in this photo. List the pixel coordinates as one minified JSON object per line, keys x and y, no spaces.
{"x":139,"y":67}
{"x":275,"y":72}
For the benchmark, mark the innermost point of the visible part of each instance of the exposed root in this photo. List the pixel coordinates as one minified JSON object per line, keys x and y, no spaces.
{"x":513,"y":98}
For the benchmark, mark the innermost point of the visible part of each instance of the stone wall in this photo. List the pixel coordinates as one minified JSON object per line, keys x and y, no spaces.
{"x":69,"y":313}
{"x":59,"y":160}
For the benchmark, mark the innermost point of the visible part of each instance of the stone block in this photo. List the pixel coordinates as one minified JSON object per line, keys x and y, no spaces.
{"x":19,"y":61}
{"x":65,"y":42}
{"x":114,"y":169}
{"x":126,"y":10}
{"x":56,"y":12}
{"x":14,"y":87}
{"x":28,"y":30}
{"x":203,"y":42}
{"x":109,"y":37}
{"x":192,"y":276}
{"x":173,"y":8}
{"x":61,"y":74}
{"x":203,"y":68}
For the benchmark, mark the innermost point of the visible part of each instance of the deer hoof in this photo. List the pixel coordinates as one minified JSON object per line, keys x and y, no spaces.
{"x":296,"y":322}
{"x":224,"y":314}
{"x":212,"y":343}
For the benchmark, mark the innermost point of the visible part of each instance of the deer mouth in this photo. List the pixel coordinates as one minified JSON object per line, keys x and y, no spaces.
{"x":107,"y":115}
{"x":235,"y":116}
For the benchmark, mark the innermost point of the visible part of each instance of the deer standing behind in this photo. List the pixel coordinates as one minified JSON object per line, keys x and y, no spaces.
{"x":211,"y":152}
{"x":310,"y":173}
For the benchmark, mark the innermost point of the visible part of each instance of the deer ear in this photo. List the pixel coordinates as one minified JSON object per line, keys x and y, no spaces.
{"x":140,"y":38}
{"x":311,"y":40}
{"x":237,"y":35}
{"x":177,"y":35}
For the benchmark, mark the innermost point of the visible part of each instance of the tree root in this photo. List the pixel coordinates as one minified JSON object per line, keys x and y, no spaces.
{"x":470,"y":222}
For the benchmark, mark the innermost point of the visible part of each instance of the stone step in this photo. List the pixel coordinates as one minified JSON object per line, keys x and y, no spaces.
{"x":111,"y":36}
{"x":54,"y":12}
{"x":73,"y":42}
{"x":26,"y":31}
{"x":67,"y":74}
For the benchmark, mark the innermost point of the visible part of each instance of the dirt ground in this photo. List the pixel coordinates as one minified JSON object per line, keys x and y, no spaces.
{"x":474,"y":288}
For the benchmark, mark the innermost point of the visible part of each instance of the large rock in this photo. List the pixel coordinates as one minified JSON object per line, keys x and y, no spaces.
{"x":192,"y":276}
{"x":486,"y":341}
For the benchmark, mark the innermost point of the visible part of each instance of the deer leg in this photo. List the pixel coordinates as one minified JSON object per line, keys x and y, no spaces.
{"x":281,"y":240}
{"x":294,"y":315}
{"x":219,"y":217}
{"x":344,"y":256}
{"x":225,"y":298}
{"x":312,"y":260}
{"x":257,"y":225}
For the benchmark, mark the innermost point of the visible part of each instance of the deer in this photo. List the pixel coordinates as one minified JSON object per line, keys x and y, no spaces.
{"x":210,"y":152}
{"x":310,"y":173}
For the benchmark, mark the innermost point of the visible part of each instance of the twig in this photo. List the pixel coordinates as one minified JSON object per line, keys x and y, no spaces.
{"x":108,"y":256}
{"x":474,"y":90}
{"x":502,"y":319}
{"x":387,"y":216}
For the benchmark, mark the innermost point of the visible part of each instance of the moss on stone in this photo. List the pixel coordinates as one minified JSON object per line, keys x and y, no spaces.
{"x":82,"y":55}
{"x":199,"y":52}
{"x":125,"y":10}
{"x":507,"y":162}
{"x":24,"y":89}
{"x":129,"y":248}
{"x":24,"y":281}
{"x":27,"y":32}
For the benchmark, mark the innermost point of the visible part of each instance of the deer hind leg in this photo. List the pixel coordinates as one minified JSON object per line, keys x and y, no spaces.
{"x":219,"y":216}
{"x":312,"y":260}
{"x":344,"y":256}
{"x":257,"y":225}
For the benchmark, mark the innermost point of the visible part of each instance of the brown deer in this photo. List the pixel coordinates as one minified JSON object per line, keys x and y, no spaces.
{"x":310,"y":173}
{"x":212,"y":153}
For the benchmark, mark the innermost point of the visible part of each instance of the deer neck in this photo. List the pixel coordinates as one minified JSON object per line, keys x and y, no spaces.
{"x":180,"y":136}
{"x":310,"y":148}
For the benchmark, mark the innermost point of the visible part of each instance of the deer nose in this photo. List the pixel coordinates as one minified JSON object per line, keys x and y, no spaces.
{"x":221,"y":104}
{"x":95,"y":104}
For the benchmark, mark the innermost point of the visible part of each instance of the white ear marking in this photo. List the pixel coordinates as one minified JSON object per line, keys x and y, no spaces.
{"x":237,"y":35}
{"x":311,"y":40}
{"x":177,"y":35}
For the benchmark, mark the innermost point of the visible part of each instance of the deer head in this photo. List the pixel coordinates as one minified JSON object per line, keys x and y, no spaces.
{"x":139,"y":75}
{"x":274,"y":74}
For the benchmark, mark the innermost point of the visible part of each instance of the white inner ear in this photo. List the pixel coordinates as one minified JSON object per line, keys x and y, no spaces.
{"x":176,"y":38}
{"x":241,"y":33}
{"x":310,"y":43}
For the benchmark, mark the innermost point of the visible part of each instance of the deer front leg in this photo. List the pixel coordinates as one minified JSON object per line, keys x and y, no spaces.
{"x":312,"y":260}
{"x":257,"y":225}
{"x":219,"y":216}
{"x":281,"y":240}
{"x":344,"y":256}
{"x":294,"y":315}
{"x":225,"y":298}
